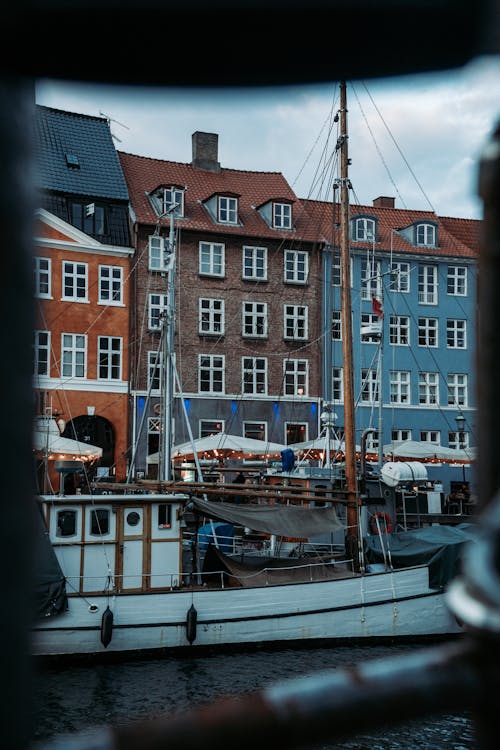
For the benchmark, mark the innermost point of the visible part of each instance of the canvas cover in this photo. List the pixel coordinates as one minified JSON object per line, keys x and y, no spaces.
{"x":49,"y":582}
{"x":438,"y":546}
{"x":280,"y":520}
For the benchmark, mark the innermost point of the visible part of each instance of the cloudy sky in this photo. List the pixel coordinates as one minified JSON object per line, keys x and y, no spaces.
{"x":417,"y":138}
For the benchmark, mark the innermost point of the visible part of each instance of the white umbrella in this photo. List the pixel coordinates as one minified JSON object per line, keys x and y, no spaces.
{"x":48,"y":441}
{"x":319,"y":444}
{"x":425,"y":450}
{"x":222,"y":445}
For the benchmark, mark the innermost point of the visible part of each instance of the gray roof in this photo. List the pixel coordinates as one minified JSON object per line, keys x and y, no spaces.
{"x":75,"y":154}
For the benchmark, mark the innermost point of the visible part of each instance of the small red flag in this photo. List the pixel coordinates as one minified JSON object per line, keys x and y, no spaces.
{"x":377,"y":307}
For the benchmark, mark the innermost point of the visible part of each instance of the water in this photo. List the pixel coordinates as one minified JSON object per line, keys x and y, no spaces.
{"x":82,"y":697}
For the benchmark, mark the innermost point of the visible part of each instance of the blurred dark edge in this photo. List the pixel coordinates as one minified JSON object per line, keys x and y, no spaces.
{"x":185,"y":43}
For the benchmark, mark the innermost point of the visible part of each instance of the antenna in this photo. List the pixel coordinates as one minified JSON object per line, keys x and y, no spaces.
{"x":111,"y":119}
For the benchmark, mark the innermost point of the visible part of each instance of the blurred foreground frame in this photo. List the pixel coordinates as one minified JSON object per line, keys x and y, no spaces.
{"x":131,"y":43}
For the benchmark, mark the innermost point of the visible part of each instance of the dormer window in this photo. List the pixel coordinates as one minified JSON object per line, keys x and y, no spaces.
{"x":425,"y":234}
{"x":160,"y":256}
{"x":364,"y":229}
{"x":165,"y":197}
{"x":282,"y":216}
{"x":227,"y":210}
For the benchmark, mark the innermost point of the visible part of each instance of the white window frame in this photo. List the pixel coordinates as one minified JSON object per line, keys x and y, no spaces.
{"x":113,"y":357}
{"x":458,"y":388}
{"x":399,"y":330}
{"x":41,"y":365}
{"x":227,"y":209}
{"x":211,"y":316}
{"x":259,"y":434}
{"x":157,"y":260}
{"x":295,"y":322}
{"x":282,"y":215}
{"x":336,"y":325}
{"x":373,"y":321}
{"x":212,"y":365}
{"x":173,"y":196}
{"x":338,"y":385}
{"x":428,"y":332}
{"x":207,"y":427}
{"x":458,"y":440}
{"x":296,"y":377}
{"x":425,"y":235}
{"x":371,"y":279}
{"x":428,"y":388}
{"x":365,"y":229}
{"x":427,"y":284}
{"x":254,"y":263}
{"x":110,"y":285}
{"x":400,"y":277}
{"x":75,"y":276}
{"x":456,"y":333}
{"x":430,"y":436}
{"x":254,"y":320}
{"x":254,"y":376}
{"x":157,"y":304}
{"x":43,"y":277}
{"x":456,"y":281}
{"x":74,"y":355}
{"x":154,"y":371}
{"x":399,"y":436}
{"x":400,"y":387}
{"x":369,"y":386}
{"x":211,"y":259}
{"x":296,"y":267}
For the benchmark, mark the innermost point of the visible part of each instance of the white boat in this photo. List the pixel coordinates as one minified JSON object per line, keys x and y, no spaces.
{"x":123,"y":573}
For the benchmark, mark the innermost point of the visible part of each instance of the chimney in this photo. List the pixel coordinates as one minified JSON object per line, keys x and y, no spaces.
{"x":383,"y":202}
{"x":205,"y":146}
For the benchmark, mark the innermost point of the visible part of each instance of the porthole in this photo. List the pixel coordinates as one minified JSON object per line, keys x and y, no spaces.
{"x":133,"y":518}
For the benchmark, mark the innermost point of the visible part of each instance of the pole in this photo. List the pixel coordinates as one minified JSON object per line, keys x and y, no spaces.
{"x":165,"y":457}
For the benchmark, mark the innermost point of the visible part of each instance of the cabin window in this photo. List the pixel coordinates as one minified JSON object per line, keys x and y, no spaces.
{"x":99,"y":522}
{"x":133,"y":518}
{"x":164,"y":516}
{"x":66,"y":522}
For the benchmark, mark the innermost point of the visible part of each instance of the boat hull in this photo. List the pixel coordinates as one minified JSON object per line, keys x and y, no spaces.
{"x":397,"y":604}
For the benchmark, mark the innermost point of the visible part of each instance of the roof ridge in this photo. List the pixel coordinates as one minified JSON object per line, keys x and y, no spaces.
{"x":189,"y":164}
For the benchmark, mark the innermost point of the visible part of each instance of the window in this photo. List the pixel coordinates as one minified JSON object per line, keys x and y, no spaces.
{"x":425,"y":234}
{"x":428,"y":332}
{"x":371,"y":328}
{"x":41,"y":353}
{"x":295,"y":373}
{"x":99,"y":521}
{"x":456,"y":280}
{"x":157,"y":306}
{"x":336,"y":270}
{"x":73,"y":355}
{"x":295,"y":432}
{"x":74,"y":281}
{"x":456,"y":334}
{"x":337,"y":385}
{"x":43,"y":281}
{"x":254,"y":263}
{"x":164,"y":516}
{"x":110,"y":357}
{"x":211,"y":256}
{"x":173,"y":196}
{"x":255,"y":430}
{"x":371,"y":283}
{"x":364,"y":230}
{"x":89,"y":217}
{"x":428,"y":388}
{"x":336,"y":325}
{"x":296,"y":266}
{"x":295,"y":322}
{"x":399,"y":387}
{"x":399,"y":277}
{"x":369,"y":386}
{"x":227,"y":210}
{"x":458,"y":440}
{"x":153,"y":435}
{"x":372,"y":442}
{"x":111,"y":285}
{"x":399,"y":330}
{"x":255,"y":375}
{"x":210,"y":427}
{"x":157,"y":253}
{"x":154,"y":371}
{"x":282,"y":216}
{"x":210,"y":373}
{"x":398,"y":436}
{"x":427,"y":285}
{"x":254,"y":319}
{"x":430,"y":436}
{"x":457,"y":389}
{"x":211,"y":316}
{"x":66,"y":523}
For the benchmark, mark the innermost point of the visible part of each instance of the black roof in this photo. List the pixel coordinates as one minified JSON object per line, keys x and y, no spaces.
{"x":75,"y":154}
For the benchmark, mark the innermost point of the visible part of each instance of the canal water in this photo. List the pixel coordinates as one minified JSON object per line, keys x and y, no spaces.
{"x":82,"y":697}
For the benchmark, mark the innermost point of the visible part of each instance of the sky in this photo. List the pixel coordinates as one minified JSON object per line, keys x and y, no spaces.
{"x":416,"y":138}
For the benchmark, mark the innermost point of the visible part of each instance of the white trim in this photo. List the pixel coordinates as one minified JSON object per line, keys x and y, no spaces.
{"x":42,"y":382}
{"x":77,"y":240}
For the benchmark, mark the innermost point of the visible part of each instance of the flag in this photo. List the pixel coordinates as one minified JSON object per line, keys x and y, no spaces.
{"x":377,"y":307}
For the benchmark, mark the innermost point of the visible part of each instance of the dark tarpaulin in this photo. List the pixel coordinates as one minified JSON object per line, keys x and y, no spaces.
{"x":437,"y":546}
{"x":281,"y":520}
{"x":49,"y":582}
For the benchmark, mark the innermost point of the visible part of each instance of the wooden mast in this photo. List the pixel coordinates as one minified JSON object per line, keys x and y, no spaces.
{"x":352,"y":536}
